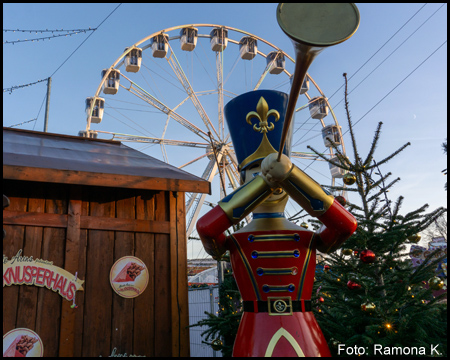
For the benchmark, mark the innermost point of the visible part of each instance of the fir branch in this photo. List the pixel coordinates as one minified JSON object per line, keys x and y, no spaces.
{"x":338,"y":164}
{"x":416,"y":213}
{"x":397,"y":207}
{"x":393,"y":154}
{"x":350,"y":125}
{"x":376,"y":137}
{"x":338,"y":188}
{"x":392,"y":183}
{"x":375,"y":185}
{"x":343,"y":159}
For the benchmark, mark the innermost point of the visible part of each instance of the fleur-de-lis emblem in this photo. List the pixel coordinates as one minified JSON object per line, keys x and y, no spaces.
{"x":262,"y":114}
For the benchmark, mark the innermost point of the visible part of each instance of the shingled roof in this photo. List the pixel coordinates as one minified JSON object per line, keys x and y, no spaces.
{"x":56,"y":158}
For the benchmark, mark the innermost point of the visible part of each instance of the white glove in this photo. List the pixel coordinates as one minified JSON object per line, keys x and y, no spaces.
{"x":274,"y":171}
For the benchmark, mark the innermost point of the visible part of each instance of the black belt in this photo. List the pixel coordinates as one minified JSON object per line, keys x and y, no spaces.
{"x":278,"y":306}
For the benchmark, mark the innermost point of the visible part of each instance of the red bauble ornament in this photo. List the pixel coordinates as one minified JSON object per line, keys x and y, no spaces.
{"x":321,"y":299}
{"x":341,"y":200}
{"x":367,"y":256}
{"x":352,"y":285}
{"x":326,"y":268}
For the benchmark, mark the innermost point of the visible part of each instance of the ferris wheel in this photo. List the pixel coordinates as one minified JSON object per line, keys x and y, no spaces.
{"x":166,"y":95}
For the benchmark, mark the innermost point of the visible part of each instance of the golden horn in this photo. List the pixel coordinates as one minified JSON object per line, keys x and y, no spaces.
{"x":312,"y":27}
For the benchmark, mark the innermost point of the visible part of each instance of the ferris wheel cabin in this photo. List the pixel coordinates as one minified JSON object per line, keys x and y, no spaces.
{"x":276,"y":62}
{"x":336,"y":171}
{"x":188,"y":38}
{"x":97,"y":110}
{"x":91,"y":134}
{"x":133,"y":60}
{"x":331,"y":133}
{"x":219,"y":39}
{"x":160,"y":45}
{"x":318,"y":108}
{"x":305,"y":86}
{"x":248,"y":48}
{"x":111,"y":83}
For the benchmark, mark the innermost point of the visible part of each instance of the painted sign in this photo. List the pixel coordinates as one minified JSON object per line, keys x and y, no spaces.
{"x":22,"y":342}
{"x":24,"y":270}
{"x":116,"y":354}
{"x":129,"y":277}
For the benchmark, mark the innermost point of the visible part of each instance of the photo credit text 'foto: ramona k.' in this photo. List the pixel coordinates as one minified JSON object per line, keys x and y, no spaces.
{"x":379,"y":349}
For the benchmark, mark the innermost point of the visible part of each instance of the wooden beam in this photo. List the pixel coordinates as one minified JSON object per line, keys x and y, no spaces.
{"x":71,"y":264}
{"x":162,"y":288}
{"x":144,"y":304}
{"x":178,"y":276}
{"x":86,"y":222}
{"x":25,"y":173}
{"x":122,"y":308}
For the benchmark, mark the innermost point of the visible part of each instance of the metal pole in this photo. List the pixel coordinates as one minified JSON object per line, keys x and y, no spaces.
{"x":211,"y":303}
{"x":220,"y":274}
{"x":49,"y":85}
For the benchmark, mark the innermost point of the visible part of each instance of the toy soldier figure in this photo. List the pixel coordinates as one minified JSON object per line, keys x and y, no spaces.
{"x":273,"y":260}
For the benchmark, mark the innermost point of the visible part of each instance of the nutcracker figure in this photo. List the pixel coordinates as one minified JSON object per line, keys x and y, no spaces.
{"x":274,"y":260}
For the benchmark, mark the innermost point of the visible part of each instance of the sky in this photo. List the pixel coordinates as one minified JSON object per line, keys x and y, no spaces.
{"x":396,"y":62}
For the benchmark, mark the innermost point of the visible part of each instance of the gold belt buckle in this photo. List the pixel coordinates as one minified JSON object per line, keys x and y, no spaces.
{"x":281,"y":305}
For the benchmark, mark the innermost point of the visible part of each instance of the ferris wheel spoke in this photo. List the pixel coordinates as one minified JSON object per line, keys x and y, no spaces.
{"x":305,"y":155}
{"x":195,"y":160}
{"x":145,"y":96}
{"x":206,"y":174}
{"x":219,"y":74}
{"x":181,"y":76}
{"x":154,"y":140}
{"x":263,"y":75}
{"x":232,"y":176}
{"x":232,"y":156}
{"x":193,"y":218}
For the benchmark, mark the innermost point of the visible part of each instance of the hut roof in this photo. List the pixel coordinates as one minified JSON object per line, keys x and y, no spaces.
{"x":46,"y":157}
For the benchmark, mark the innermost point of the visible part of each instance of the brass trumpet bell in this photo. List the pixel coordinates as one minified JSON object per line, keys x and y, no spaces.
{"x":312,"y":27}
{"x":318,"y":24}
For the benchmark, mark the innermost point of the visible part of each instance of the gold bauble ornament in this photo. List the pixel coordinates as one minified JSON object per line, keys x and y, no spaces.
{"x":216,"y":344}
{"x":304,"y":225}
{"x":414,"y":238}
{"x":436,"y":283}
{"x":349,"y":179}
{"x":347,"y":251}
{"x":368,"y":307}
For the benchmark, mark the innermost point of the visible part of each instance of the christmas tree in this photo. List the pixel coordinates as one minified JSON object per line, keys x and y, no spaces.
{"x":369,"y":298}
{"x":368,"y":294}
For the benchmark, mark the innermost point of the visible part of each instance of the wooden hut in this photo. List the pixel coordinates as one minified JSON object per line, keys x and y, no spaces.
{"x":83,"y":204}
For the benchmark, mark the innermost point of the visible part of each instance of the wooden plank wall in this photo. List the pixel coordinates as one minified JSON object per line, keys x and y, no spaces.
{"x":86,"y":229}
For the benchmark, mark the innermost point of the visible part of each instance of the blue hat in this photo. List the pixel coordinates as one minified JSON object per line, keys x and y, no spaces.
{"x":255,"y":121}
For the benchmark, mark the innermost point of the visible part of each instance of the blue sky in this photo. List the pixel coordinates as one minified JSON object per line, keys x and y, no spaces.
{"x":414,"y":111}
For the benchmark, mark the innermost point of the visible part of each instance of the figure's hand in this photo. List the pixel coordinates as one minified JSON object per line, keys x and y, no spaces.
{"x":274,"y":171}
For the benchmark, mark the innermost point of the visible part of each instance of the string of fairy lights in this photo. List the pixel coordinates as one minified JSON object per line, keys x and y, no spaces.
{"x":68,"y":32}
{"x":12,"y":88}
{"x":65,"y":33}
{"x":60,"y":33}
